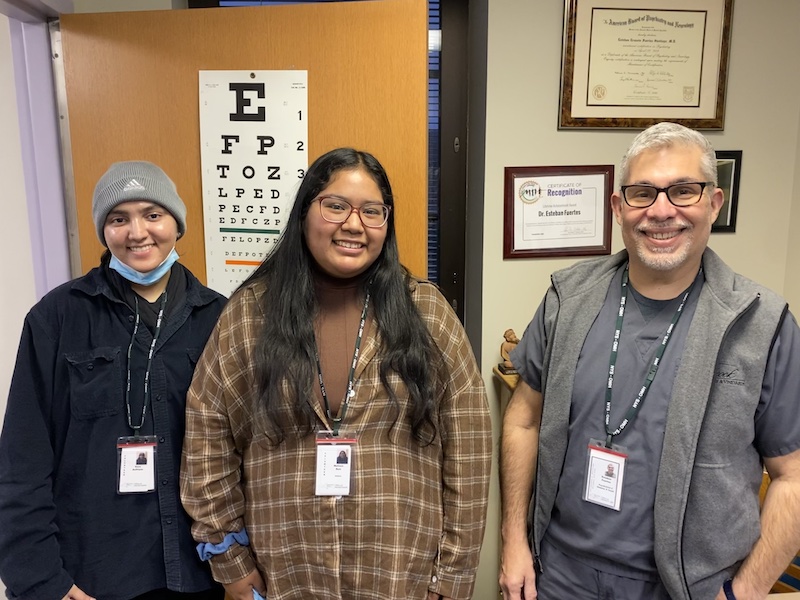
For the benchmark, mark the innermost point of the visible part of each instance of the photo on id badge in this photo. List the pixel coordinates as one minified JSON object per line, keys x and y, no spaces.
{"x":604,"y":473}
{"x":136,"y":469}
{"x":333,"y":469}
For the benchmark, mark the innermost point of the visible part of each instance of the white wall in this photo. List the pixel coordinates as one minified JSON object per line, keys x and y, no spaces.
{"x":762,"y":119}
{"x":16,"y":267}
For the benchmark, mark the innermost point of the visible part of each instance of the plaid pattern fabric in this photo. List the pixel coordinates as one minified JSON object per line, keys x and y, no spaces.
{"x":415,"y":517}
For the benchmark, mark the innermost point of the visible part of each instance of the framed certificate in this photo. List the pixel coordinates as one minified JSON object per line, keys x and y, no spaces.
{"x":634,"y":63}
{"x":729,"y":171}
{"x":557,"y":211}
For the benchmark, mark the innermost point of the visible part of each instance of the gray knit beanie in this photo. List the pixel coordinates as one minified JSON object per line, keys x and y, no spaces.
{"x":135,"y":180}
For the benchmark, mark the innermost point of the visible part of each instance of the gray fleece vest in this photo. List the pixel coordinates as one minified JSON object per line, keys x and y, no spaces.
{"x":706,"y":505}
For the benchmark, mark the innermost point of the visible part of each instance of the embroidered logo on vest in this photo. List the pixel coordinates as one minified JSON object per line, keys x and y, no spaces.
{"x":728,"y":375}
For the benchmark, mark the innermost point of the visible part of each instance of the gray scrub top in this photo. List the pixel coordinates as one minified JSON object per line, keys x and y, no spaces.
{"x":621,"y":542}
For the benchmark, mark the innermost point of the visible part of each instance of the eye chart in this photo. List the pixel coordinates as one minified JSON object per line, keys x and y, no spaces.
{"x":253,"y":153}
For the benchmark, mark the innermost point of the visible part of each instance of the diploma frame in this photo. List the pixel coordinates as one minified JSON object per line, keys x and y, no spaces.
{"x":564,"y":237}
{"x":577,"y":111}
{"x":729,"y":170}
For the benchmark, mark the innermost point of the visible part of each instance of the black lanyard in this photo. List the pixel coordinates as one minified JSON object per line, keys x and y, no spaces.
{"x":150,"y":353}
{"x":651,"y":374}
{"x":337,"y":421}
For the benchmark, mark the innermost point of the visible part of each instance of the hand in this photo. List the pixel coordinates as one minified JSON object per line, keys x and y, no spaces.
{"x":243,"y":589}
{"x":517,"y":576}
{"x":76,"y":593}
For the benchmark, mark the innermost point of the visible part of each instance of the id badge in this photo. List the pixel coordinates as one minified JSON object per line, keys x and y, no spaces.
{"x":605,"y":472}
{"x":334,"y":464}
{"x":136,"y":464}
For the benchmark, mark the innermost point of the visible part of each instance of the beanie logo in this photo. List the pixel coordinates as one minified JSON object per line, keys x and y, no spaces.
{"x":133,"y":185}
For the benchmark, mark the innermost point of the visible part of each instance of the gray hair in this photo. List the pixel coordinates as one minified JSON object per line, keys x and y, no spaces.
{"x":667,"y":135}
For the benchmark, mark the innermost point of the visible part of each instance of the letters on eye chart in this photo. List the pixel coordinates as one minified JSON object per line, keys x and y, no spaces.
{"x":254,"y":153}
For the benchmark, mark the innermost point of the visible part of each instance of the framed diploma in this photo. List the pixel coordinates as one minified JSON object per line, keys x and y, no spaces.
{"x":729,"y":169}
{"x":633,"y":63}
{"x":557,"y":211}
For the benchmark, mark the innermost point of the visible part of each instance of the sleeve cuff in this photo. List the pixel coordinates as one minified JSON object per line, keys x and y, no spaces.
{"x":232,"y":565}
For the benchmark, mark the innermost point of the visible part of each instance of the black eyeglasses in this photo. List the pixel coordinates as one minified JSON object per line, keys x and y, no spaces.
{"x":680,"y":194}
{"x":335,"y":210}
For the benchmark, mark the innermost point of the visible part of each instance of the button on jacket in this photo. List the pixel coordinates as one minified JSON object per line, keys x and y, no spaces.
{"x":61,"y":519}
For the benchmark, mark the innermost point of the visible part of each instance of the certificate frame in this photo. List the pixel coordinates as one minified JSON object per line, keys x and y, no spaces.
{"x":729,"y":170}
{"x":611,"y":76}
{"x":557,"y":211}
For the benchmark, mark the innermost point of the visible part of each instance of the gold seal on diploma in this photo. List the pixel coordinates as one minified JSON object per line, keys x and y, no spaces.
{"x":530,"y":192}
{"x":599,"y":92}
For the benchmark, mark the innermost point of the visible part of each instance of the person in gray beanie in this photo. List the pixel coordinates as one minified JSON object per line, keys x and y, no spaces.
{"x":101,"y":377}
{"x":122,"y":208}
{"x":135,"y":180}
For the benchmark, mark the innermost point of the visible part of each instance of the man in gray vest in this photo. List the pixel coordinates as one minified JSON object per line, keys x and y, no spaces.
{"x":654,"y":385}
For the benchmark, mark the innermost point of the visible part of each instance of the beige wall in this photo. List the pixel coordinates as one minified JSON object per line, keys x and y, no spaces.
{"x":792,"y":277}
{"x":762,"y":119}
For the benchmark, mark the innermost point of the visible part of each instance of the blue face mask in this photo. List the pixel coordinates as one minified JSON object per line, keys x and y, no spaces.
{"x":148,"y":278}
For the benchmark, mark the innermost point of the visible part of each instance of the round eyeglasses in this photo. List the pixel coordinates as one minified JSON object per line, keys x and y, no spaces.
{"x":336,"y":210}
{"x":679,"y":194}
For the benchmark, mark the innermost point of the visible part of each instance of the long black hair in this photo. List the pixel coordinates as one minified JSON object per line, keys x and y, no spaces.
{"x":285,"y":350}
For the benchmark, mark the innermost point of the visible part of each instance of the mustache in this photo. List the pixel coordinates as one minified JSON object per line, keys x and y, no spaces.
{"x":650,"y":225}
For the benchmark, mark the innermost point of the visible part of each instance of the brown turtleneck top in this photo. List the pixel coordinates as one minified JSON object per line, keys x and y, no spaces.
{"x":340,"y":303}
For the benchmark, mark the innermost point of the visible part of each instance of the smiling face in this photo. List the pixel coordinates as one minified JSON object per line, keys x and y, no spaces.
{"x":140,"y":234}
{"x":345,"y":250}
{"x":664,"y":240}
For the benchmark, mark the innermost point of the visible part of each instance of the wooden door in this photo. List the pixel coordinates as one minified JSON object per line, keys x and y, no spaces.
{"x":132,"y":93}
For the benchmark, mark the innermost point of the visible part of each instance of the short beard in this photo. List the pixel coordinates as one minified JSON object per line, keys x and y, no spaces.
{"x":662,"y":259}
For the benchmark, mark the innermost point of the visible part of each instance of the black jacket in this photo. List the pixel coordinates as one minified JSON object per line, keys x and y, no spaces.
{"x":61,"y":519}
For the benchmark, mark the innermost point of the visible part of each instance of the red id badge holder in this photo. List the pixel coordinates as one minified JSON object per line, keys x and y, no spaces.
{"x":335,"y":455}
{"x":136,"y":464}
{"x":605,"y":472}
